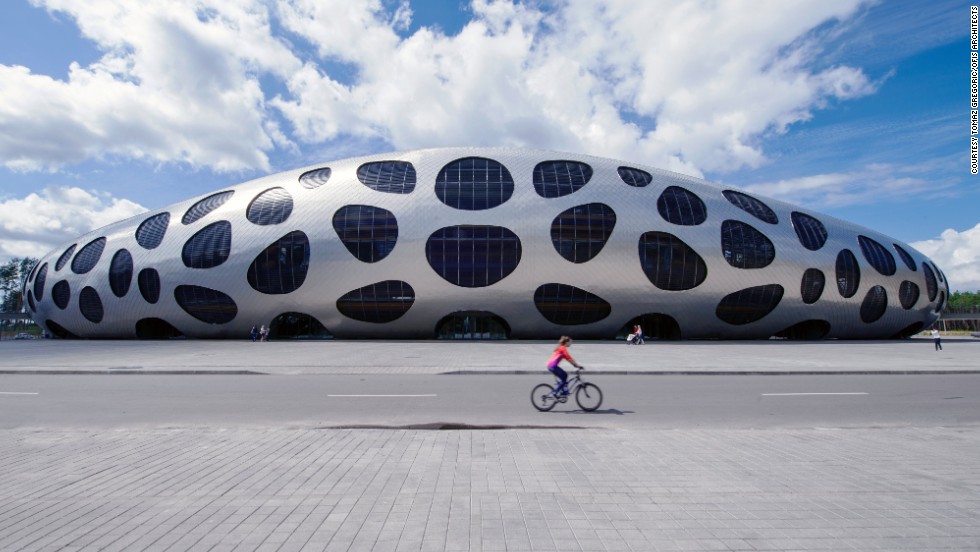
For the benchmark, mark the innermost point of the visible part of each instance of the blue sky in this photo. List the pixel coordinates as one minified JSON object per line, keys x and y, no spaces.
{"x":856,"y":109}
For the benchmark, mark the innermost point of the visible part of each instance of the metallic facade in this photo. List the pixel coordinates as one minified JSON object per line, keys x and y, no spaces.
{"x":213,"y":245}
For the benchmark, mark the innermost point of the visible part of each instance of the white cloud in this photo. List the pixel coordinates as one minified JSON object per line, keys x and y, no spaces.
{"x":958,"y":255}
{"x":178,"y":82}
{"x":706,"y":81}
{"x":691,"y":86}
{"x":868,"y":184}
{"x":33,"y":225}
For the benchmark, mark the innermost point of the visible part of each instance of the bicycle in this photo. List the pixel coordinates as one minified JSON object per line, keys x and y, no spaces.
{"x":544,"y":397}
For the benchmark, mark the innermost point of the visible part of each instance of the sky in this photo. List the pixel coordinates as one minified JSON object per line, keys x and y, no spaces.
{"x":857,"y":109}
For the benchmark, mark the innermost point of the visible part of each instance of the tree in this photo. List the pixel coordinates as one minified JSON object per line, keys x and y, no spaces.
{"x":12,"y":276}
{"x":964,"y":300}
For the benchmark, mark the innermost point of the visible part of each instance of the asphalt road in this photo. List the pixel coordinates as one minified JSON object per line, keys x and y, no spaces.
{"x":661,"y":402}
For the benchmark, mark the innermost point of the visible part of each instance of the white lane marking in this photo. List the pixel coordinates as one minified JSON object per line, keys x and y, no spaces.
{"x":433,"y":395}
{"x":799,"y":394}
{"x":15,"y":393}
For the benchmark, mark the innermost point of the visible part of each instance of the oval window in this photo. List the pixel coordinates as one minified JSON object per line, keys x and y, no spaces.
{"x":473,"y":256}
{"x":570,"y":306}
{"x":560,"y":178}
{"x":580,"y":233}
{"x":749,"y":305}
{"x":474,"y":184}
{"x":378,"y":303}
{"x":206,"y":304}
{"x":669,"y":263}
{"x":281,"y":268}
{"x":390,"y":177}
{"x":121,"y":273}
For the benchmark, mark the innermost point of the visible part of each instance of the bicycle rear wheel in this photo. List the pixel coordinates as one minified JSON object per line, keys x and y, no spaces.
{"x":543,"y":397}
{"x":588,"y":396}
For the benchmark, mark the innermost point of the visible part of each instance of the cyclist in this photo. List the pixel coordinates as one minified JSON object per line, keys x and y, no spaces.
{"x":561,"y":352}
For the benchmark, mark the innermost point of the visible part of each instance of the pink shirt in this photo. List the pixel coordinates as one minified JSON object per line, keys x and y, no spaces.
{"x":560,"y":353}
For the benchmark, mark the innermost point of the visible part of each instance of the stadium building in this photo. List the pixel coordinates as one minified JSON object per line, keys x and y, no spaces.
{"x":484,"y":243}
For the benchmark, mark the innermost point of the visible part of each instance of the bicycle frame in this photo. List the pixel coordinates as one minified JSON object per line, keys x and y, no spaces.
{"x":571,"y":384}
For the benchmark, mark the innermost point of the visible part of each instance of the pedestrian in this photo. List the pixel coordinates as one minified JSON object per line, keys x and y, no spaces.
{"x":937,"y":339}
{"x":263,"y":333}
{"x":254,"y":333}
{"x":639,"y":334}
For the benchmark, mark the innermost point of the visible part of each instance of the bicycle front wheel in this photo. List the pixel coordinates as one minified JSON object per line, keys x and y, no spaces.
{"x":543,"y":397}
{"x":588,"y":396}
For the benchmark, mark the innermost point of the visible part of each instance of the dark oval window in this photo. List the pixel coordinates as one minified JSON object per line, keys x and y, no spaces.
{"x":751,"y":206}
{"x":474,"y":184}
{"x":30,"y":300}
{"x":941,"y":303}
{"x":806,"y":330}
{"x":472,"y":325}
{"x":61,"y":294}
{"x":560,"y":178}
{"x":148,"y":281}
{"x":473,"y":256}
{"x":297,"y":325}
{"x":152,"y":230}
{"x":906,"y":258}
{"x":209,"y":247}
{"x":205,"y":206}
{"x":679,"y":206}
{"x":272,"y":206}
{"x":88,"y":256}
{"x":812,"y":286}
{"x":580,"y":233}
{"x":369,"y":233}
{"x":908,"y":294}
{"x":156,"y":328}
{"x":848,"y":273}
{"x":90,"y":305}
{"x":749,"y":305}
{"x":315,"y":178}
{"x":811,"y":232}
{"x":570,"y":306}
{"x":281,"y":267}
{"x":634,"y":177}
{"x":64,"y":257}
{"x":378,"y":303}
{"x":939,"y":273}
{"x":877,"y":256}
{"x":932,"y":287}
{"x":670,"y":263}
{"x":874,"y":304}
{"x":390,"y":177}
{"x":42,"y":278}
{"x":121,"y":273}
{"x":745,"y":247}
{"x":206,"y":304}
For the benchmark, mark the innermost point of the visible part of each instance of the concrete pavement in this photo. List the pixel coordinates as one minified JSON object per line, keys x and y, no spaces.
{"x":961,"y":355}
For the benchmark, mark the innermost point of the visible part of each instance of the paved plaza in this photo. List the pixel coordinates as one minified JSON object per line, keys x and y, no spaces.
{"x":308,"y":489}
{"x":211,"y":488}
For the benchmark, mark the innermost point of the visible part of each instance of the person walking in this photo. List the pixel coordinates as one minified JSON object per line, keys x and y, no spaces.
{"x":638,"y":330}
{"x":254,"y":333}
{"x":937,"y":339}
